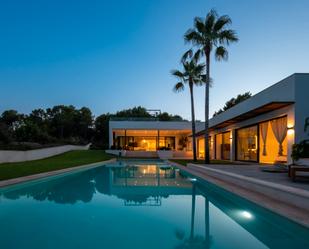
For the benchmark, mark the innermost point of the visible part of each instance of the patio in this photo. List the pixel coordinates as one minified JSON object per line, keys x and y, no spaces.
{"x":254,"y":171}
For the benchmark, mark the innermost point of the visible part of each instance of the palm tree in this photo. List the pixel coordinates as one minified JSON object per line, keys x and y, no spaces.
{"x":192,"y":74}
{"x":207,"y":35}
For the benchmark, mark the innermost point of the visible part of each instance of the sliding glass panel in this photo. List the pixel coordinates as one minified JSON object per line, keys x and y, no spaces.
{"x":269,"y":145}
{"x":145,"y":143}
{"x":170,"y":142}
{"x":226,"y":147}
{"x":200,"y":147}
{"x":247,"y":143}
{"x":218,"y":138}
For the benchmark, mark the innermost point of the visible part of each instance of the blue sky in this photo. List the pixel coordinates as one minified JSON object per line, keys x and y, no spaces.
{"x":111,"y":55}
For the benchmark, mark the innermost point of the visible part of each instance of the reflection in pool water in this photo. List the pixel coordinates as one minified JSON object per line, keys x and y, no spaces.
{"x":137,"y":204}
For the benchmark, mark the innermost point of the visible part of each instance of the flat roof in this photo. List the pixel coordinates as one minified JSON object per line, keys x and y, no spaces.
{"x":154,"y":125}
{"x":274,"y":97}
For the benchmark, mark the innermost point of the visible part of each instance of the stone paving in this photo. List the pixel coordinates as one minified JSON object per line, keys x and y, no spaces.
{"x":254,"y":170}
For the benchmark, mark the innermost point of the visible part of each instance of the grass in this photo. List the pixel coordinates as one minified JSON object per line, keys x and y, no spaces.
{"x":65,"y":160}
{"x":186,"y":161}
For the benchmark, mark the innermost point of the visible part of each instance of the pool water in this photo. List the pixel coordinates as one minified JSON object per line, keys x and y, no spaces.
{"x":137,"y":204}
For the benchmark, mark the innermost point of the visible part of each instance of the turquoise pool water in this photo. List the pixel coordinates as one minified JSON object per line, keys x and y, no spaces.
{"x":137,"y":204}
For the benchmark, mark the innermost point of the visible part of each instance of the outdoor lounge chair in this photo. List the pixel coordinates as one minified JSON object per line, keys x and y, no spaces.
{"x":297,"y":168}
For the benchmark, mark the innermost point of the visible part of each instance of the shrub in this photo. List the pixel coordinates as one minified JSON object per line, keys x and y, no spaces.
{"x":300,"y":150}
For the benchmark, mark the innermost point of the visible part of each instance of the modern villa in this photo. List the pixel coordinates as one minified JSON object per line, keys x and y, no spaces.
{"x":261,"y":129}
{"x":151,"y":135}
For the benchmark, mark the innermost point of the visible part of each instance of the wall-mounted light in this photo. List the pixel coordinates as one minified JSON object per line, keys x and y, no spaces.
{"x":231,"y":136}
{"x":291,"y":130}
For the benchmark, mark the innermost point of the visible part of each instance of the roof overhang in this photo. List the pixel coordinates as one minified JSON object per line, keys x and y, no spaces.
{"x":247,"y":115}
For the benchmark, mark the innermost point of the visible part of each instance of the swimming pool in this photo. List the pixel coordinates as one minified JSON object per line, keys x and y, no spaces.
{"x":137,"y":204}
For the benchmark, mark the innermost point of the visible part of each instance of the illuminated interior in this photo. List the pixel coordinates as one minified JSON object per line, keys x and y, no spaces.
{"x":247,"y":143}
{"x":200,"y":147}
{"x":269,"y":154}
{"x":150,"y":140}
{"x":226,"y":146}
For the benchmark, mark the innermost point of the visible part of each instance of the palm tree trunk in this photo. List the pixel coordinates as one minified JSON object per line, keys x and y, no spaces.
{"x":206,"y":144}
{"x":193,"y":122}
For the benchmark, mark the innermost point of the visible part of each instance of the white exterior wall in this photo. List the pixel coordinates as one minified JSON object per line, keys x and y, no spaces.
{"x":9,"y":156}
{"x":301,"y":107}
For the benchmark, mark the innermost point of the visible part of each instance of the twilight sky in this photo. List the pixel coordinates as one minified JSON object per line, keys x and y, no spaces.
{"x":111,"y":55}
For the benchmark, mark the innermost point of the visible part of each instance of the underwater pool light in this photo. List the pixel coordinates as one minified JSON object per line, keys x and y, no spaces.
{"x":246,"y":214}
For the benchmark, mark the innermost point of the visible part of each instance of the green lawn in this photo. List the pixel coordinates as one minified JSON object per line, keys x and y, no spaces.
{"x":185,"y":161}
{"x":66,"y":160}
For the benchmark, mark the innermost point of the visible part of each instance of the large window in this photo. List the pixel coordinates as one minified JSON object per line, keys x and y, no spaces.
{"x":146,"y":143}
{"x":247,"y":143}
{"x":200,"y":147}
{"x":273,"y":140}
{"x":223,"y":146}
{"x":167,"y":142}
{"x":226,"y":146}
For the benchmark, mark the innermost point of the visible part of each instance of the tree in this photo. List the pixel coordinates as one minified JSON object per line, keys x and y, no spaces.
{"x":164,"y":116}
{"x":233,"y":101}
{"x":11,"y":118}
{"x":192,"y":75}
{"x":5,"y":135}
{"x":84,"y":122}
{"x":101,"y":130}
{"x":207,"y":35}
{"x":136,"y":112}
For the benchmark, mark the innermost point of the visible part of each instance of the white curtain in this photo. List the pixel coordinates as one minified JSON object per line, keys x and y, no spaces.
{"x":263,"y":130}
{"x":279,"y":127}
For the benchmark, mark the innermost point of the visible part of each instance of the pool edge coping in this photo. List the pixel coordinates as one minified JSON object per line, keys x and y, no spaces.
{"x":296,"y":191}
{"x":14,"y":181}
{"x":249,"y":197}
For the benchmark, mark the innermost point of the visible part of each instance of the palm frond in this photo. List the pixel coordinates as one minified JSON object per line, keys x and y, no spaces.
{"x":198,"y":54}
{"x":227,"y":36}
{"x":179,"y":87}
{"x":199,"y":68}
{"x":204,"y":80}
{"x":210,"y":20}
{"x":177,"y":74}
{"x":221,"y":53}
{"x":187,"y":55}
{"x":194,"y":37}
{"x":222,"y":22}
{"x":199,"y":24}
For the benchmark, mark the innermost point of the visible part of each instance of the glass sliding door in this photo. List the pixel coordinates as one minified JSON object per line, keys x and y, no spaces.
{"x":167,"y":143}
{"x":226,"y":146}
{"x":200,"y":147}
{"x":269,"y":145}
{"x":247,"y":144}
{"x":218,"y":139}
{"x":223,"y":146}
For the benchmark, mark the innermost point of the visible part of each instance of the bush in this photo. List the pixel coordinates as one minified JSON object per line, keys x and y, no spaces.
{"x":300,"y":150}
